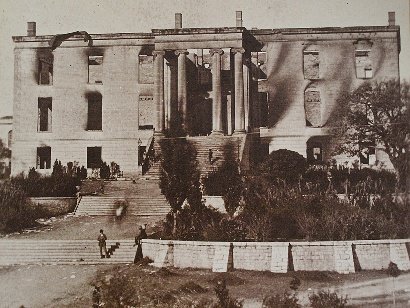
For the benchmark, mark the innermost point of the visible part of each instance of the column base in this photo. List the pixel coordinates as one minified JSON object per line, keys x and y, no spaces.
{"x":239,"y":132}
{"x":217,"y":133}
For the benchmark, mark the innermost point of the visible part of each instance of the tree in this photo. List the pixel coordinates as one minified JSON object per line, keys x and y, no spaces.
{"x":4,"y":151}
{"x":180,"y":177}
{"x":379,"y":113}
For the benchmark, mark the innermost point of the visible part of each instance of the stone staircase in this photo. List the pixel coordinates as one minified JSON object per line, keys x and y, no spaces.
{"x":217,"y":143}
{"x":218,"y":146}
{"x":23,"y":251}
{"x":139,"y":206}
{"x":143,"y":196}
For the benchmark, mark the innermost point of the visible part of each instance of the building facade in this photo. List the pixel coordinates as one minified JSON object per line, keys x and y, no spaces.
{"x":85,"y":98}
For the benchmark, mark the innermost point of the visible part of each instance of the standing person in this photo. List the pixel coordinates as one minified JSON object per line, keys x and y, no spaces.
{"x":102,"y":238}
{"x":210,"y":156}
{"x":142,"y":235}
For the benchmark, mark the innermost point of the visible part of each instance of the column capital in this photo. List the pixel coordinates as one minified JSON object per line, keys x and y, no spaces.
{"x":158,"y":53}
{"x":181,"y":52}
{"x":216,"y":50}
{"x":237,"y":50}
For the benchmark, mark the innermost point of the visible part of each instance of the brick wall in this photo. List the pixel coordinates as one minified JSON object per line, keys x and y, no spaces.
{"x":342,"y":257}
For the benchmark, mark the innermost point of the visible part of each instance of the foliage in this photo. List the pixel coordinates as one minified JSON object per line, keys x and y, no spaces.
{"x":180,"y":177}
{"x":226,"y":181}
{"x":61,"y":183}
{"x":267,"y":209}
{"x":377,"y":113}
{"x":337,"y":220}
{"x":327,"y":299}
{"x":393,"y":270}
{"x":284,"y":300}
{"x":16,"y":212}
{"x":4,"y":151}
{"x":283,"y":165}
{"x":224,"y":299}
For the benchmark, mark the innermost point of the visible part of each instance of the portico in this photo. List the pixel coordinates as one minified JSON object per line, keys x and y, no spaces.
{"x":193,"y":67}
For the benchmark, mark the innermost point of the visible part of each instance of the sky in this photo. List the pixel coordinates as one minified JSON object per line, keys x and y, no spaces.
{"x":122,"y":16}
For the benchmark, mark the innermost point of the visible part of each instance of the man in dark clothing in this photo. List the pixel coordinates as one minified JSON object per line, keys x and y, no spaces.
{"x":142,"y":235}
{"x":102,"y":238}
{"x":210,"y":156}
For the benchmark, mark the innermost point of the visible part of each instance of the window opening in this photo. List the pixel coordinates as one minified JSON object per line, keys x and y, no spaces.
{"x":45,"y":67}
{"x":146,"y":69}
{"x":259,"y":67}
{"x":363,"y":64}
{"x":95,"y":69}
{"x":94,"y":112}
{"x":313,"y":108}
{"x":44,"y":114}
{"x":311,"y":64}
{"x":94,"y":157}
{"x":44,"y":158}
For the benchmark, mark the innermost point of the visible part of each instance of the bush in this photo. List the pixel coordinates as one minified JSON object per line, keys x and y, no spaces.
{"x":284,"y":300}
{"x":16,"y":212}
{"x":224,"y":299}
{"x":59,"y":184}
{"x":327,"y":299}
{"x":283,"y":165}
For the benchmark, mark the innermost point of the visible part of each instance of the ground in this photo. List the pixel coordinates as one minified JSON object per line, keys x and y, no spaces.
{"x":72,"y":285}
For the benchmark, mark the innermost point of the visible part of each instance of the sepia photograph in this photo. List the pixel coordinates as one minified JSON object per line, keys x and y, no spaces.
{"x":205,"y":153}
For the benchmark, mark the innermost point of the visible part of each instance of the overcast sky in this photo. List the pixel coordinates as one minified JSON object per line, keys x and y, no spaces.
{"x":113,"y":16}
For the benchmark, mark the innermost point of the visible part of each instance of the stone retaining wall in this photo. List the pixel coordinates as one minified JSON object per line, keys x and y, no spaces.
{"x":56,"y":205}
{"x":342,"y":257}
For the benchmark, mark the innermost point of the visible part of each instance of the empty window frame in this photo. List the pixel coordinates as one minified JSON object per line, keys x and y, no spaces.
{"x":146,"y":69}
{"x":314,"y":152}
{"x":94,"y":157}
{"x":95,"y":69}
{"x":311,"y":64}
{"x":94,"y":111}
{"x":313,"y":111}
{"x":367,"y":153}
{"x":259,"y":67}
{"x":44,"y":114}
{"x":45,"y":67}
{"x":44,"y":158}
{"x":363,"y":64}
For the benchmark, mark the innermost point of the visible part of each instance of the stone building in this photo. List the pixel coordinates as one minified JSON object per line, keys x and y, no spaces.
{"x":84,"y":98}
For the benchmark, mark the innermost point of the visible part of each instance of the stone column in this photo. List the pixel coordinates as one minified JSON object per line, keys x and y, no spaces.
{"x":246,"y":93}
{"x":216,"y":91}
{"x":182,"y":93}
{"x":239,"y":101}
{"x":159,"y":90}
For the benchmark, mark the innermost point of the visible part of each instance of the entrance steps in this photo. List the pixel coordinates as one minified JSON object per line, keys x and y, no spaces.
{"x":23,"y":251}
{"x":139,"y":206}
{"x":217,"y":143}
{"x":143,"y":196}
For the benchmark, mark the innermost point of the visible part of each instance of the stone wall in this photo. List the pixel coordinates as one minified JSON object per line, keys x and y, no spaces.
{"x":342,"y":257}
{"x":55,"y":206}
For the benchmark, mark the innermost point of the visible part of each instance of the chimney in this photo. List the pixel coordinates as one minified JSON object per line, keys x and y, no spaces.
{"x":392,"y":18}
{"x":178,"y":21}
{"x":239,"y":19}
{"x":31,"y":28}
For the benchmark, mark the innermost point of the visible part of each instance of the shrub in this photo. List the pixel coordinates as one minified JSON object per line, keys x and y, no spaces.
{"x":59,"y":184}
{"x":224,"y":299}
{"x":284,"y":300}
{"x":283,"y":165}
{"x":16,"y":212}
{"x":327,"y":299}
